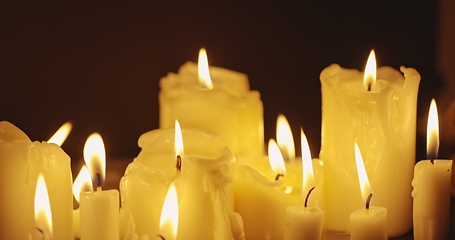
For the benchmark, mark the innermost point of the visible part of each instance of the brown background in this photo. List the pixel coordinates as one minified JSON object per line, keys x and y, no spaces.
{"x":98,"y":64}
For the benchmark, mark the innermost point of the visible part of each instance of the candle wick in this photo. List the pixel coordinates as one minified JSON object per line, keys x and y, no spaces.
{"x":178,"y":163}
{"x":160,"y":236}
{"x":308,"y":196}
{"x":367,"y":205}
{"x":278,"y":176}
{"x":98,"y":179}
{"x":369,"y":87}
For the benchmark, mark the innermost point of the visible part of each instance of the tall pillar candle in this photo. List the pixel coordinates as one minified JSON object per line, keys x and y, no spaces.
{"x":382,"y":118}
{"x":21,"y":162}
{"x":145,"y":183}
{"x":432,"y":178}
{"x":226,"y":106}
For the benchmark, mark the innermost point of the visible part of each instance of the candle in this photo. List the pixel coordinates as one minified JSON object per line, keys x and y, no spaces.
{"x":262,"y":200}
{"x":203,"y":184}
{"x":169,"y":215}
{"x":380,"y":115}
{"x":99,"y":210}
{"x":43,"y":212}
{"x":304,"y":222}
{"x":221,"y":103}
{"x":82,"y":183}
{"x":369,"y":222}
{"x":431,"y":184}
{"x":21,"y":162}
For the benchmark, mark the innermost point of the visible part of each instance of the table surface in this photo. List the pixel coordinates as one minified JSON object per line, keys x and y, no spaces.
{"x":116,"y":169}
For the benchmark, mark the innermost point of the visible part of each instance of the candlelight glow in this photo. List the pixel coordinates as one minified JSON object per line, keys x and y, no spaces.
{"x":95,"y":158}
{"x":369,"y":77}
{"x":178,"y":140}
{"x":284,"y":138}
{"x":82,"y":183}
{"x":62,"y":133}
{"x":433,"y":131}
{"x":43,"y":214}
{"x":307,"y":164}
{"x":365,"y":187}
{"x":169,"y":219}
{"x":203,"y":70}
{"x":276,"y":159}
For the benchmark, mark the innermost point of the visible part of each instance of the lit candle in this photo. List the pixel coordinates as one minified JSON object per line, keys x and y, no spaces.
{"x":369,"y":222}
{"x":219,"y":101}
{"x":203,"y":183}
{"x":43,"y":213}
{"x":99,"y":210}
{"x":21,"y":162}
{"x":82,"y":183}
{"x":432,"y":187}
{"x":304,"y":222}
{"x":169,"y":215}
{"x":381,"y":115}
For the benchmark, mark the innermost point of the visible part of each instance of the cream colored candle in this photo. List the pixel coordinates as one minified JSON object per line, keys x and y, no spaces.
{"x":203,"y":185}
{"x":303,"y":221}
{"x":432,"y":188}
{"x":82,"y":183}
{"x":222,"y":103}
{"x":21,"y":162}
{"x":382,"y":119}
{"x":369,"y":222}
{"x":99,"y":210}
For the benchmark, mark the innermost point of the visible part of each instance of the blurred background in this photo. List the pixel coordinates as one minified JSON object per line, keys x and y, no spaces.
{"x":98,"y":64}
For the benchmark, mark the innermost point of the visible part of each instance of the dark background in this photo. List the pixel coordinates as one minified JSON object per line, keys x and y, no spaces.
{"x":98,"y":64}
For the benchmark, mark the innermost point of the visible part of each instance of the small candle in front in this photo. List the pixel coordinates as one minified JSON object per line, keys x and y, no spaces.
{"x":369,"y":222}
{"x":169,"y":215}
{"x":304,"y":222}
{"x":43,"y":214}
{"x":82,"y":183}
{"x":431,"y":194}
{"x":99,"y":210}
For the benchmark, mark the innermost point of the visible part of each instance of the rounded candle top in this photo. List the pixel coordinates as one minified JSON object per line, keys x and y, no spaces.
{"x":10,"y":133}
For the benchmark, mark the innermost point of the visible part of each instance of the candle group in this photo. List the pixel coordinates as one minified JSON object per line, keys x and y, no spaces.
{"x":211,"y":179}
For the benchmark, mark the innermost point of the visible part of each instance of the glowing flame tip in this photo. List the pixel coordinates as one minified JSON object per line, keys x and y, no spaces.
{"x":203,"y":70}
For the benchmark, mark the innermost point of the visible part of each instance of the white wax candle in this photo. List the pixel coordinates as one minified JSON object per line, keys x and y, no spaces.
{"x":303,"y":223}
{"x":99,"y":215}
{"x":204,"y":184}
{"x":21,"y":162}
{"x":229,"y":108}
{"x":384,"y":121}
{"x":369,"y":224}
{"x":432,"y":199}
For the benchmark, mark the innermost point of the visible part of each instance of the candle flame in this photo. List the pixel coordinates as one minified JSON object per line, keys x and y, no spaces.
{"x":82,"y":183}
{"x":95,"y":158}
{"x":276,"y":159}
{"x":178,"y":140}
{"x":365,"y":187}
{"x":433,"y":131}
{"x":169,"y":219}
{"x":307,"y":164}
{"x":284,"y":138}
{"x":43,"y":214}
{"x":62,"y":133}
{"x":203,"y":70}
{"x":369,"y":77}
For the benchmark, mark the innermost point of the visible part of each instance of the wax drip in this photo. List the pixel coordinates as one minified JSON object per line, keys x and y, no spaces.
{"x":278,"y":176}
{"x":367,"y":205}
{"x":178,"y":163}
{"x":308,"y":196}
{"x":160,"y":236}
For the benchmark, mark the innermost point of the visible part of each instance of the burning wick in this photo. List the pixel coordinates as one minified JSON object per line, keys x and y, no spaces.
{"x":369,"y":87}
{"x":159,"y":235}
{"x":308,"y":196}
{"x":178,"y":163}
{"x":278,"y":176}
{"x":98,"y":178}
{"x":367,"y":205}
